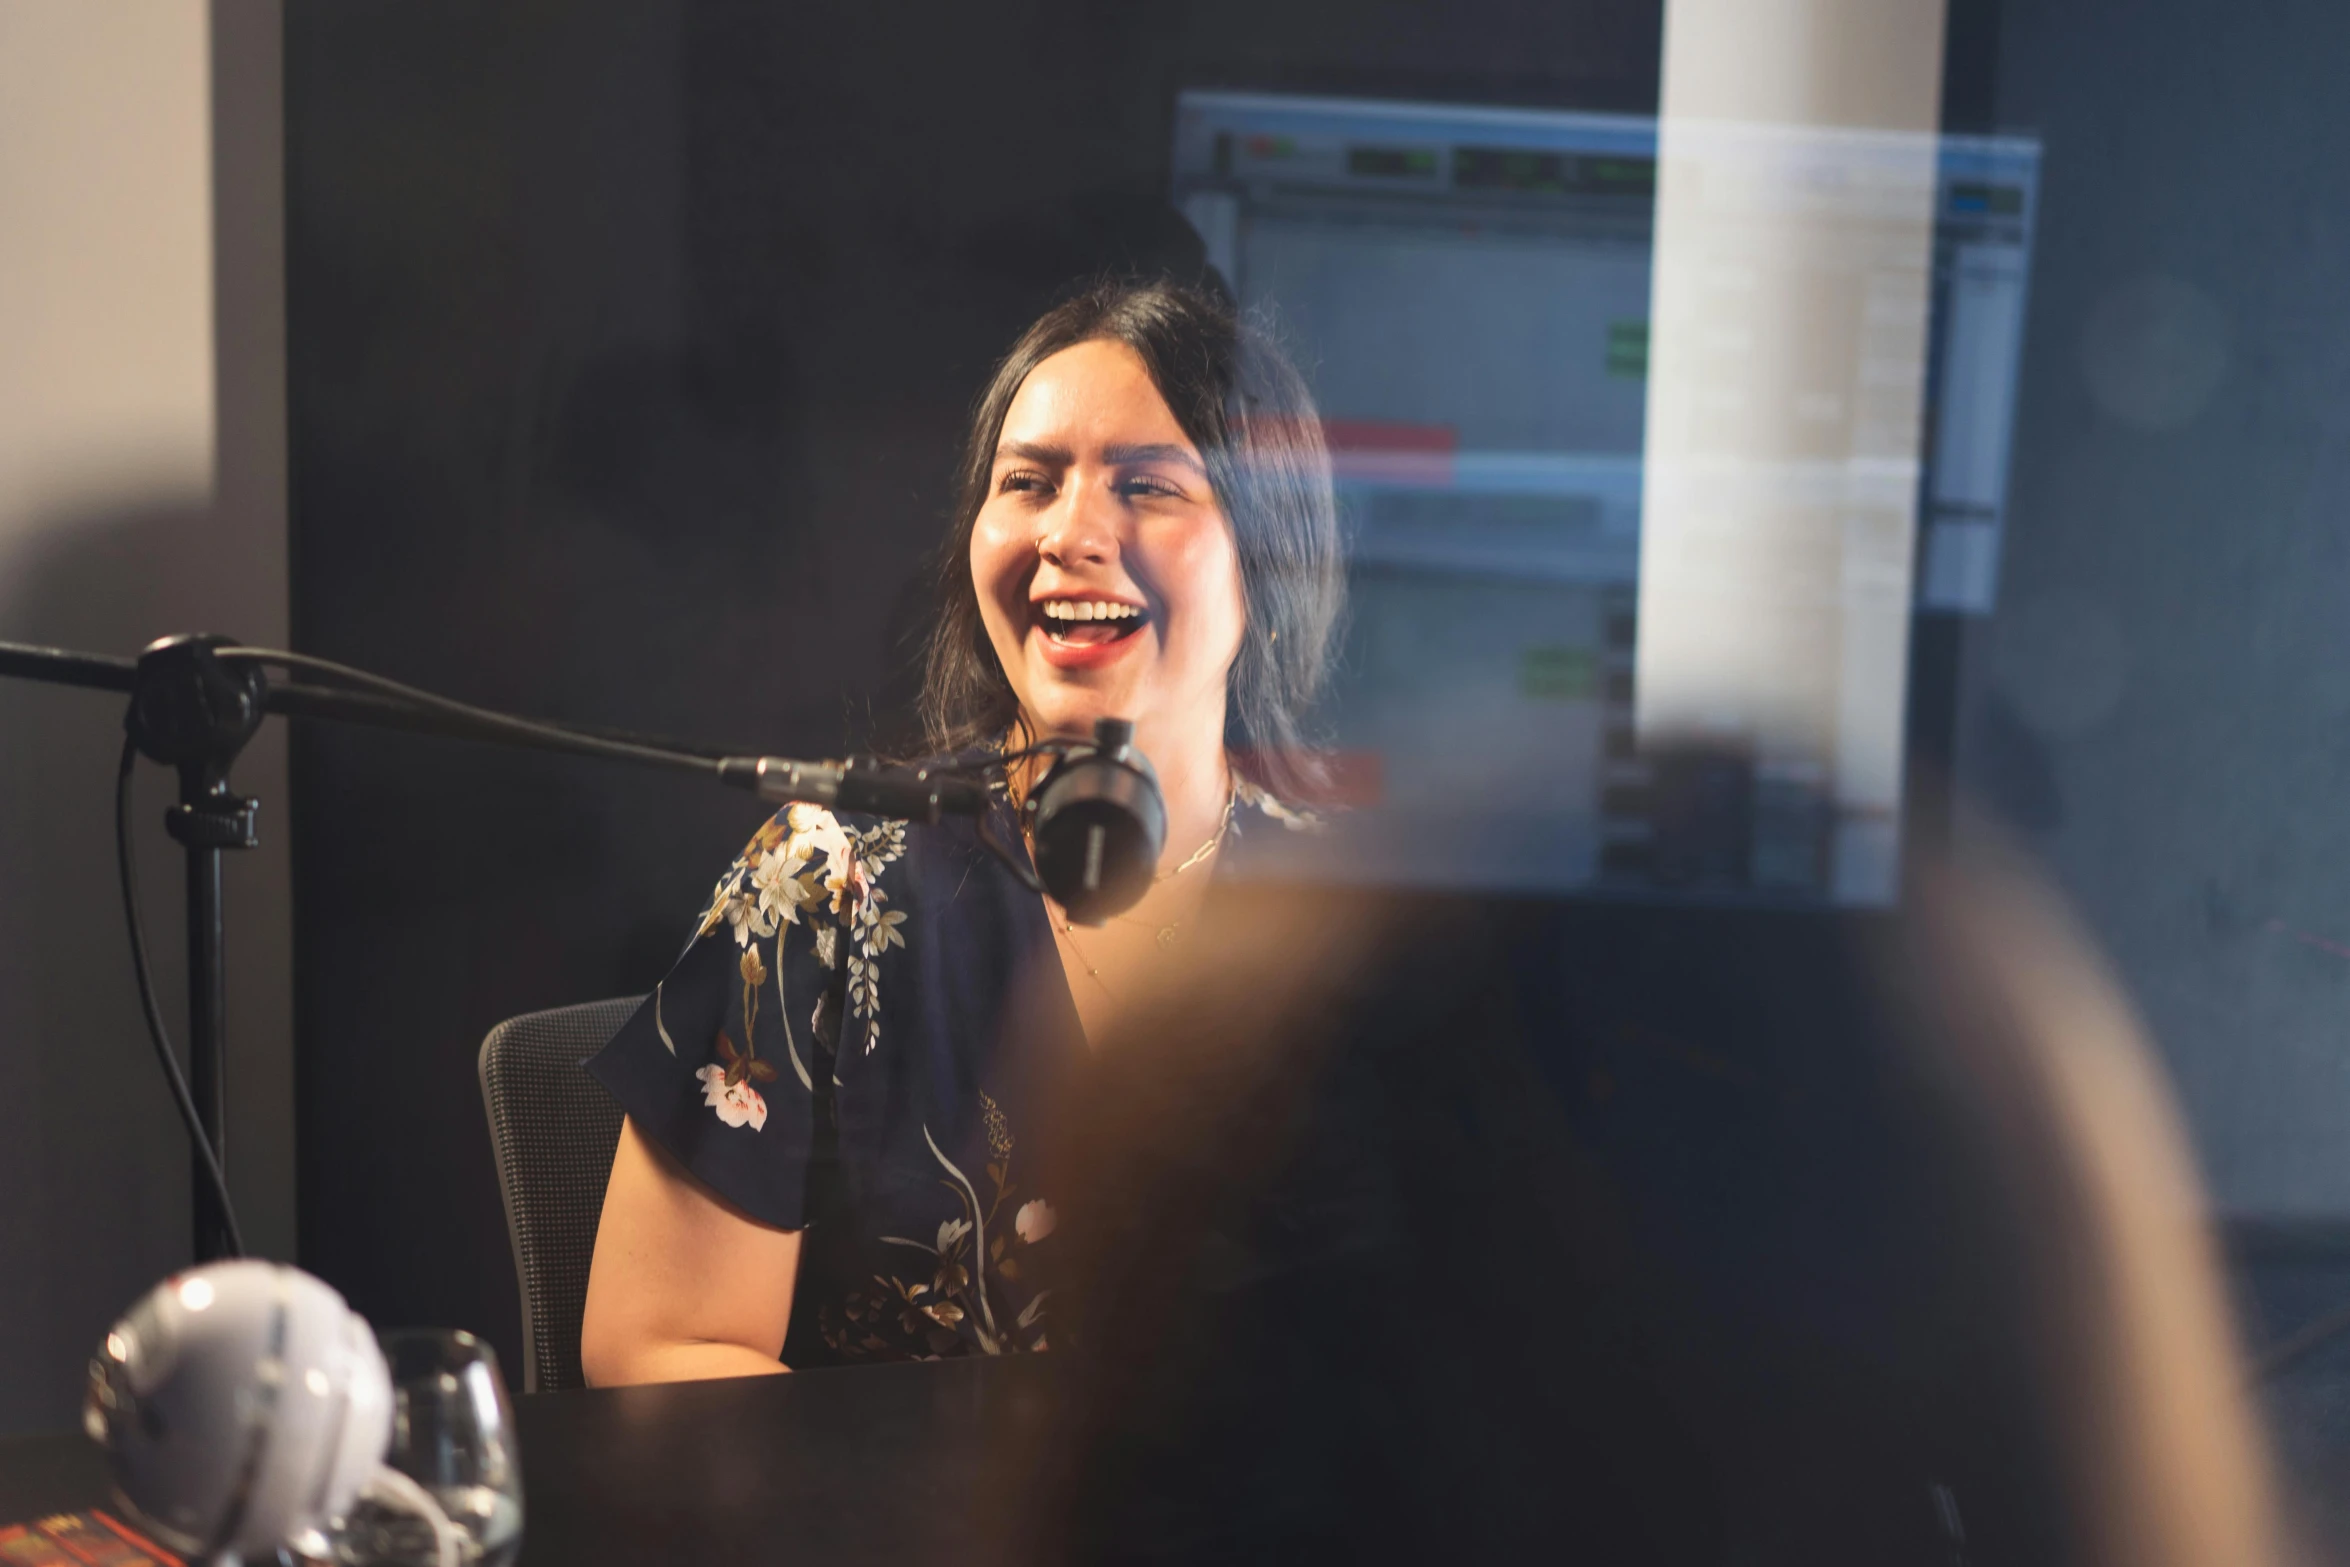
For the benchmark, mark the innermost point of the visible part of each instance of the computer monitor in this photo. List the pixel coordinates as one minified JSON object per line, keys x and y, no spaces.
{"x":1468,"y":292}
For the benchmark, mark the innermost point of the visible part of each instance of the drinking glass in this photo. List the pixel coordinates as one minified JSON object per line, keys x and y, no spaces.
{"x":453,"y":1436}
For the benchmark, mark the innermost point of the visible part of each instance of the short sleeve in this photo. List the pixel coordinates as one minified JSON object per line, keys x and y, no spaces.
{"x":718,"y":1066}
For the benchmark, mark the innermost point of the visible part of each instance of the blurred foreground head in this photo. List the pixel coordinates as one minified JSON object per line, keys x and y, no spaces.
{"x":1413,"y":1232}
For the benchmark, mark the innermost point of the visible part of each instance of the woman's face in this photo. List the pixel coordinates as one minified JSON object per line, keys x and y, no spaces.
{"x":1105,"y":569}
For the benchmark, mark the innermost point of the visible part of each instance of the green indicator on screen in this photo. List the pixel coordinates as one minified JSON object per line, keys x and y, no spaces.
{"x":1526,"y":170}
{"x":1558,"y":674}
{"x":1627,"y":349}
{"x":1509,"y":168}
{"x":1621,"y":176}
{"x":1410,"y":163}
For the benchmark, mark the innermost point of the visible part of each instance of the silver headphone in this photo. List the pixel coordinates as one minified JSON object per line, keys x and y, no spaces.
{"x":243,"y":1406}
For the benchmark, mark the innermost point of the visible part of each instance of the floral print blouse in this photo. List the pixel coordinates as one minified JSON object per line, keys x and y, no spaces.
{"x":840,"y":1051}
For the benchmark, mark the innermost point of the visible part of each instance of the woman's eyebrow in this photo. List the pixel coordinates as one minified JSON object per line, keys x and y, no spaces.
{"x":1164,"y":451}
{"x":1035,"y":451}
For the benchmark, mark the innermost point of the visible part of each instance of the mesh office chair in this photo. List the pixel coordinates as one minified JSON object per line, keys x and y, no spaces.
{"x":553,"y":1128}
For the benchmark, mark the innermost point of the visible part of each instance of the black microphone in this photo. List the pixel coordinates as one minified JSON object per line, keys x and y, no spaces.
{"x":1098,"y":822}
{"x":1097,"y":819}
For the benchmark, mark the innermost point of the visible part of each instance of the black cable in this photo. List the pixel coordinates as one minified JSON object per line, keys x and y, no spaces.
{"x":585,"y":740}
{"x":1015,"y":861}
{"x":126,"y":863}
{"x":558,"y":737}
{"x":1054,"y":747}
{"x":551,"y":736}
{"x":58,"y":666}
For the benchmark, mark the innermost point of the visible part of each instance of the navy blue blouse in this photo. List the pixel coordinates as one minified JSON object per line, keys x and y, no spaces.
{"x":836,"y":1052}
{"x":855,"y":1045}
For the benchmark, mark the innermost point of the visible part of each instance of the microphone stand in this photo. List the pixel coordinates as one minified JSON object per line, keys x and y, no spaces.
{"x":195,"y":714}
{"x":196,"y":700}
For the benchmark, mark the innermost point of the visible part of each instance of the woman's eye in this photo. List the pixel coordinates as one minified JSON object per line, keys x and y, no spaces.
{"x":1147,"y":486}
{"x":1022,"y":483}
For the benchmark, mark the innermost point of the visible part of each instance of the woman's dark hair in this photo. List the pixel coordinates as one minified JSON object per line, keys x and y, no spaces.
{"x":1249,"y":413}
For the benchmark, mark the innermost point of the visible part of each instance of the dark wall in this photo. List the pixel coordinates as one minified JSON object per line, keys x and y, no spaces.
{"x":2162,"y":703}
{"x":629,"y":349}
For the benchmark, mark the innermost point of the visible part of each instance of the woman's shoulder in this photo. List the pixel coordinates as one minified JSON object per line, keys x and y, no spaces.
{"x":810,"y":864}
{"x":808,"y":858}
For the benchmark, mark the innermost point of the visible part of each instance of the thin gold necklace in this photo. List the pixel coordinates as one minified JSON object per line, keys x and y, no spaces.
{"x":1215,"y":839}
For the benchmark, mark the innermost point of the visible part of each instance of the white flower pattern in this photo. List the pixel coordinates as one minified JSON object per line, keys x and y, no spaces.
{"x":873,"y":930}
{"x":804,"y":868}
{"x":737,"y":1104}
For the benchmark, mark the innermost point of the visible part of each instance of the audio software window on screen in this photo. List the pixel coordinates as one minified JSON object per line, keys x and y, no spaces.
{"x":1468,"y":290}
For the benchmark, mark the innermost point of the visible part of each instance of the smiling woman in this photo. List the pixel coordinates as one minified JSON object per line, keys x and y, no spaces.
{"x":1139,"y":410}
{"x":830,"y":1098}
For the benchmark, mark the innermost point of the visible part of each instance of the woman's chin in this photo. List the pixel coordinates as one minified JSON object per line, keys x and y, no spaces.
{"x":1061,"y":706}
{"x":1075,"y":720}
{"x":1078,"y":681}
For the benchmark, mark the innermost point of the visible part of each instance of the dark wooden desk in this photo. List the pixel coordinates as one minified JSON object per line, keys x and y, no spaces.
{"x":875,"y":1464}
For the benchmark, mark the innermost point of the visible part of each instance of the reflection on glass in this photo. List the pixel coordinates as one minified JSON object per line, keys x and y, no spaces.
{"x":1472,"y":293}
{"x":453,"y":1437}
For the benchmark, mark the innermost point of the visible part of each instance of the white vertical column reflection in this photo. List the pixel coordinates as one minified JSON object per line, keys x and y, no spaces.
{"x":1793,"y":261}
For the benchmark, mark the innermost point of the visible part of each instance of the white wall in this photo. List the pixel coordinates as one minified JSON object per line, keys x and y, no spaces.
{"x":142,"y":491}
{"x":1787,"y":361}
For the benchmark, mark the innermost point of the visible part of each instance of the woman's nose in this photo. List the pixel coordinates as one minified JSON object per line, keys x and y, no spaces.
{"x":1083,"y":529}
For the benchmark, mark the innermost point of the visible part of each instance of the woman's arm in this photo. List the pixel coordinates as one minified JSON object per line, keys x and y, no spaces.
{"x":682,"y":1285}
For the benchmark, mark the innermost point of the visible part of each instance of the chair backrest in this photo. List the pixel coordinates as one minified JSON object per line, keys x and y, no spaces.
{"x":554,"y":1129}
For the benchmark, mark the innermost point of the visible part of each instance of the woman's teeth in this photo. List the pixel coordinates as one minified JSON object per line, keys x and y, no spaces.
{"x":1089,"y":620}
{"x":1088,"y":609}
